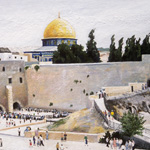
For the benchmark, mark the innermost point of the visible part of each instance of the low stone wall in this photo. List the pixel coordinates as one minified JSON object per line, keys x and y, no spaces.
{"x":120,"y":90}
{"x":71,"y":136}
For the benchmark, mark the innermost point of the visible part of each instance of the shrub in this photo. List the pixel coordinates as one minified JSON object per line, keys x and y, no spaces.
{"x":36,"y":67}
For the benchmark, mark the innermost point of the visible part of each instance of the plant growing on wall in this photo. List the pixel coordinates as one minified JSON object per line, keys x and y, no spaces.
{"x":91,"y":93}
{"x":84,"y":91}
{"x":71,"y":89}
{"x":36,"y":67}
{"x":76,"y":81}
{"x":50,"y":104}
{"x":80,"y":81}
{"x":88,"y":76}
{"x":26,"y":67}
{"x":87,"y":94}
{"x":71,"y":105}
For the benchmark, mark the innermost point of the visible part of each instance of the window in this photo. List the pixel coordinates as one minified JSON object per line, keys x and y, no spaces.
{"x":3,"y":69}
{"x":21,"y":57}
{"x":9,"y":80}
{"x":21,"y":80}
{"x":20,"y":69}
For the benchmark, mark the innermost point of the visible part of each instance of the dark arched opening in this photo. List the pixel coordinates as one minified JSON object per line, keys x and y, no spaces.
{"x":1,"y":109}
{"x":16,"y":106}
{"x":148,"y":82}
{"x":130,"y":109}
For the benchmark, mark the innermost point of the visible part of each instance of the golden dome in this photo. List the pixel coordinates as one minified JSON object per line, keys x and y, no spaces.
{"x":59,"y":28}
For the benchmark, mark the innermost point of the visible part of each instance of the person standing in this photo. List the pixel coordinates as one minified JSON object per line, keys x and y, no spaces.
{"x":19,"y":132}
{"x":57,"y":146}
{"x":30,"y":143}
{"x":65,"y":136}
{"x":62,"y":137}
{"x":107,"y":142}
{"x":130,"y":145}
{"x":86,"y":140}
{"x":34,"y":140}
{"x":38,"y":141}
{"x":114,"y":144}
{"x":133,"y":143}
{"x":47,"y":135}
{"x":127,"y":145}
{"x":61,"y":147}
{"x":111,"y":143}
{"x":120,"y":143}
{"x":1,"y":143}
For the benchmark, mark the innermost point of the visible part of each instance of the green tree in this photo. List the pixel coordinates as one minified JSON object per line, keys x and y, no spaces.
{"x":63,"y":55}
{"x":112,"y":50}
{"x":132,"y":124}
{"x":118,"y":52}
{"x":92,"y":50}
{"x":132,"y":50}
{"x":145,"y":47}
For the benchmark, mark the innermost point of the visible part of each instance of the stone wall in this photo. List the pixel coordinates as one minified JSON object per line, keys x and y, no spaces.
{"x":15,"y":71}
{"x":67,"y":86}
{"x":120,"y":90}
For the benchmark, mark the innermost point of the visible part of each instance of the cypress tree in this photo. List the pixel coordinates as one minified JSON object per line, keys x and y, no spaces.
{"x":112,"y":50}
{"x":92,"y":50}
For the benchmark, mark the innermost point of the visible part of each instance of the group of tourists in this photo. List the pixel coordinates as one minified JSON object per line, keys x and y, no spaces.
{"x":37,"y":141}
{"x":109,"y":115}
{"x":117,"y":144}
{"x":64,"y":136}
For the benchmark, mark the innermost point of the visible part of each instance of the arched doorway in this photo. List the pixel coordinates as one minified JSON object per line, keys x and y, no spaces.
{"x":148,"y":82}
{"x":1,"y":109}
{"x":16,"y":106}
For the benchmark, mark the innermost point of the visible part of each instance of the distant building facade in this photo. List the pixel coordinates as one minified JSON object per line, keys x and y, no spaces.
{"x":6,"y":55}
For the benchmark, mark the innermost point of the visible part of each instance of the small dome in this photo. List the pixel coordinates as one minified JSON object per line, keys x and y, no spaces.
{"x":59,"y":28}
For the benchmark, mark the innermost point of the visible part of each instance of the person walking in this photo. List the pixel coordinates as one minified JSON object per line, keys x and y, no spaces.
{"x":86,"y":140}
{"x":65,"y":136}
{"x":41,"y":140}
{"x":57,"y":146}
{"x":47,"y":135}
{"x":19,"y":132}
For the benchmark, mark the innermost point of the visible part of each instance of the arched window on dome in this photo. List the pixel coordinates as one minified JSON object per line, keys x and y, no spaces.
{"x":45,"y":59}
{"x":50,"y":59}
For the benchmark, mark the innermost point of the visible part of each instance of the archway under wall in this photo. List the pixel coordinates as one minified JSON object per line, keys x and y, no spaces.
{"x":16,"y":106}
{"x":148,"y":82}
{"x":2,"y":108}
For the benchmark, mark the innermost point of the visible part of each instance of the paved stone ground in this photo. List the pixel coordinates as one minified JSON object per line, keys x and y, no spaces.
{"x":11,"y":140}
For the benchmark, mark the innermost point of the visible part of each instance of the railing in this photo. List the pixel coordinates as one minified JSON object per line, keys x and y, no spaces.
{"x":100,"y":112}
{"x":115,"y":125}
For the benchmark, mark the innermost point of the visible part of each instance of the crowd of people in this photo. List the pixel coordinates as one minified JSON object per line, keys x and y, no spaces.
{"x":117,"y":144}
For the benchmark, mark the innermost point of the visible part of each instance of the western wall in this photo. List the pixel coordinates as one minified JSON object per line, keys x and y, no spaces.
{"x":68,"y":86}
